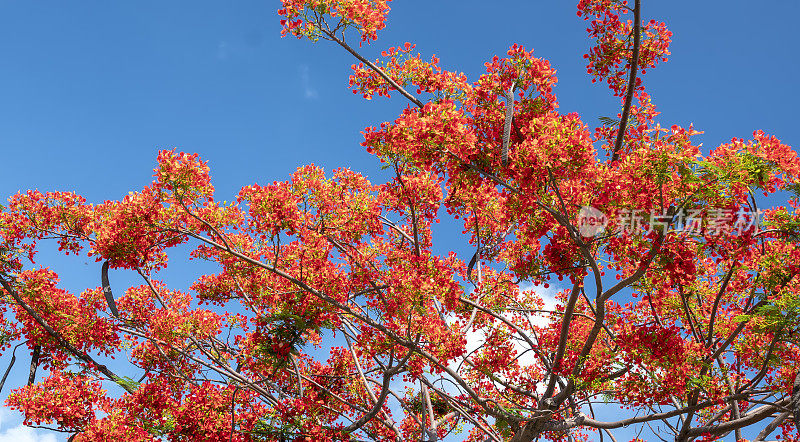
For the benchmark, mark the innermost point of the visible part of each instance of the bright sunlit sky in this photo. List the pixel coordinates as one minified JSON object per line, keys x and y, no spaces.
{"x":91,"y":90}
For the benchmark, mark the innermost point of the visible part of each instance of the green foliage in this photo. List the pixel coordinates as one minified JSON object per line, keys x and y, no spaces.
{"x":418,"y":405}
{"x":503,"y":427}
{"x":782,"y":220}
{"x":273,"y":428}
{"x":608,"y":121}
{"x":162,"y":428}
{"x":757,"y":168}
{"x":127,"y":383}
{"x":781,"y":316}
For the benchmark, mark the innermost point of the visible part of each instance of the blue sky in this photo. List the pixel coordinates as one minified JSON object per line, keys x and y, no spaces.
{"x":91,"y":90}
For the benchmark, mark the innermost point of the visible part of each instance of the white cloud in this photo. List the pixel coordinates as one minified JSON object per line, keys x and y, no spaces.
{"x":222,"y":50}
{"x":305,"y":79}
{"x":12,"y":430}
{"x":476,"y":338}
{"x":21,"y":433}
{"x":549,"y":298}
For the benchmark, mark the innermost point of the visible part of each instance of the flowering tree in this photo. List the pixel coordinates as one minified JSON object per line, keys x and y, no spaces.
{"x":332,"y":318}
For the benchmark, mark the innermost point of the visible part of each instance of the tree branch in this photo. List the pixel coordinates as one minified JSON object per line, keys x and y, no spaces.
{"x":60,"y":339}
{"x":626,"y":110}
{"x":372,"y":66}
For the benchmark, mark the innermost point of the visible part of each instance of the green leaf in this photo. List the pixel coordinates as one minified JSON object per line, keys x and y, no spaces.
{"x":502,"y":426}
{"x":127,"y":383}
{"x":608,"y":121}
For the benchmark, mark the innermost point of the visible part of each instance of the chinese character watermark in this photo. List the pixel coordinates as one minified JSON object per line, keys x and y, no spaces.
{"x":592,"y":222}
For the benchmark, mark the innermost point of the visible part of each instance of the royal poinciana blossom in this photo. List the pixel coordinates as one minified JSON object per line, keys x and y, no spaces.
{"x":333,"y":315}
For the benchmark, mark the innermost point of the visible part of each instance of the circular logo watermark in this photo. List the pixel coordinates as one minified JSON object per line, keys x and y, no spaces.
{"x":591,"y":222}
